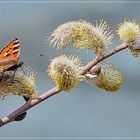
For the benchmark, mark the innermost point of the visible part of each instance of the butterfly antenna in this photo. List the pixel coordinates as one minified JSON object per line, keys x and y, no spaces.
{"x":32,"y":57}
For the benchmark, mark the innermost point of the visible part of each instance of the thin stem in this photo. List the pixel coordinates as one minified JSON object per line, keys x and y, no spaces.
{"x":104,"y":56}
{"x":56,"y":90}
{"x":28,"y":105}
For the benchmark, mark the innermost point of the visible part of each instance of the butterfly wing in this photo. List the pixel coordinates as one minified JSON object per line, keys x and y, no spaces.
{"x":9,"y":55}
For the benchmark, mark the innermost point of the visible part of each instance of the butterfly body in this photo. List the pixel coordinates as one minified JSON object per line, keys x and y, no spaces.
{"x":14,"y":67}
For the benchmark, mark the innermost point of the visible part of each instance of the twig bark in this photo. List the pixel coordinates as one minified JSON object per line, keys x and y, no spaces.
{"x":105,"y":55}
{"x":56,"y":90}
{"x":28,"y":105}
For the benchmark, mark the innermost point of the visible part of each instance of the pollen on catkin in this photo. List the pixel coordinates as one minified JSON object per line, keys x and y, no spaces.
{"x":109,"y":79}
{"x":65,"y":71}
{"x":20,"y":84}
{"x":129,"y":31}
{"x":82,"y":34}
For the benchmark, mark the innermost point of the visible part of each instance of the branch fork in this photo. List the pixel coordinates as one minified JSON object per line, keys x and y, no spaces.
{"x":33,"y":102}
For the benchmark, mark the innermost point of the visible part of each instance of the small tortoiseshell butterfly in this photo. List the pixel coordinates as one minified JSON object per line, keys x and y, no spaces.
{"x":9,"y":56}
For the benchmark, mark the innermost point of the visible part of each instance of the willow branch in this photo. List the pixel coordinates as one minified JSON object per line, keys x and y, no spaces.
{"x":28,"y":105}
{"x":31,"y":103}
{"x":105,"y":55}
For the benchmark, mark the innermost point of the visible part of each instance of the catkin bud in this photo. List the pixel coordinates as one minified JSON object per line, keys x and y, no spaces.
{"x":82,"y":34}
{"x":129,"y":31}
{"x":20,"y":84}
{"x":109,"y":78}
{"x":65,"y":71}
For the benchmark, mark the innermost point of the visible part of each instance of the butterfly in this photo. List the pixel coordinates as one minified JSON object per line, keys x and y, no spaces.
{"x":9,"y":56}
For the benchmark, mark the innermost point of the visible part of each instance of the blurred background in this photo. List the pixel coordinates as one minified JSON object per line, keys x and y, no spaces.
{"x":85,"y":111}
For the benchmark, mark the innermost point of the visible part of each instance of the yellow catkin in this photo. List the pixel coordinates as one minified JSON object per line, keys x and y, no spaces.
{"x":82,"y":34}
{"x":129,"y":31}
{"x":20,"y":84}
{"x":64,"y":70}
{"x":109,"y":79}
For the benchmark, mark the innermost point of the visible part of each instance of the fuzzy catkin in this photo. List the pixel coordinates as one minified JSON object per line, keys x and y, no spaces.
{"x":109,"y":78}
{"x":129,"y":31}
{"x":82,"y":34}
{"x":65,"y":71}
{"x":20,"y":84}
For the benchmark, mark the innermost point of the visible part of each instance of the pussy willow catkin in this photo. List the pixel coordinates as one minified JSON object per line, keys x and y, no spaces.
{"x":65,"y":71}
{"x":130,"y":31}
{"x":82,"y":34}
{"x":109,"y":78}
{"x":20,"y":84}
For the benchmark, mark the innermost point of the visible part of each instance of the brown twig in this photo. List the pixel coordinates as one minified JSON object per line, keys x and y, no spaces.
{"x":104,"y":56}
{"x":28,"y":105}
{"x":56,"y":90}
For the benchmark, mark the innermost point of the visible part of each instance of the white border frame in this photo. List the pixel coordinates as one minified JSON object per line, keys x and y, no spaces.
{"x":68,"y":2}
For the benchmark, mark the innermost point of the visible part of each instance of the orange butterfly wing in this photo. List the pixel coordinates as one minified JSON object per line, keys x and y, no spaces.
{"x":9,"y":55}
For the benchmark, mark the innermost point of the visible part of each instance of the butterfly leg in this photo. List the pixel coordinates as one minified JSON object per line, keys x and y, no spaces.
{"x":13,"y":76}
{"x":2,"y":74}
{"x":14,"y":73}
